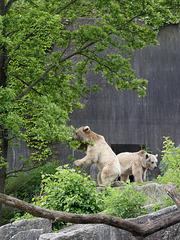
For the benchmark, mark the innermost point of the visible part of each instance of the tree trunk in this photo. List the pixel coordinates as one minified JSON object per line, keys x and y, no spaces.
{"x":4,"y":149}
{"x":138,"y":230}
{"x":3,"y":132}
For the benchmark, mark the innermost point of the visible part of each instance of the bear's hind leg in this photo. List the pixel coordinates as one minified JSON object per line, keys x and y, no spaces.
{"x":124,"y":178}
{"x":99,"y":179}
{"x":144,"y":175}
{"x":107,"y":177}
{"x":137,"y":173}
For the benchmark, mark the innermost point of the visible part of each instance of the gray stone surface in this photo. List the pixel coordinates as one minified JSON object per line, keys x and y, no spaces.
{"x":40,"y":229}
{"x":81,"y":232}
{"x":25,"y":229}
{"x":35,"y":223}
{"x":32,"y":234}
{"x":155,"y":191}
{"x":7,"y":231}
{"x":104,"y":232}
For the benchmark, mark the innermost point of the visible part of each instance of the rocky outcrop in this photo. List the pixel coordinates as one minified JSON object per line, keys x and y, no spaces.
{"x":41,"y":229}
{"x":25,"y":229}
{"x":155,"y":191}
{"x":104,"y":232}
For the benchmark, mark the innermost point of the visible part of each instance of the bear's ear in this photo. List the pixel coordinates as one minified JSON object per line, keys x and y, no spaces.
{"x":86,"y":129}
{"x":147,"y":156}
{"x":156,"y":155}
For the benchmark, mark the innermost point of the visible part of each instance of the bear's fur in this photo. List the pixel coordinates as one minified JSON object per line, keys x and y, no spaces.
{"x":136,"y":164}
{"x":100,"y":153}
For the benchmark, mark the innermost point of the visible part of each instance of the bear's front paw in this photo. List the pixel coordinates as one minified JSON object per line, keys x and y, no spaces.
{"x":77,"y":163}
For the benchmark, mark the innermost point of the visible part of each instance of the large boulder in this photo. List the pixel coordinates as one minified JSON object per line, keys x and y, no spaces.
{"x":101,"y":231}
{"x":25,"y":229}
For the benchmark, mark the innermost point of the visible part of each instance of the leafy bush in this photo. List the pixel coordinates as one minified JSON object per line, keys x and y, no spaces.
{"x":170,"y":164}
{"x":170,"y":167}
{"x":126,"y":203}
{"x":70,"y":190}
{"x":7,"y":214}
{"x":27,"y":185}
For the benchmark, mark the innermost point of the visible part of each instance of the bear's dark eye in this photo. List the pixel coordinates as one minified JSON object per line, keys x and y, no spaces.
{"x":152,"y":162}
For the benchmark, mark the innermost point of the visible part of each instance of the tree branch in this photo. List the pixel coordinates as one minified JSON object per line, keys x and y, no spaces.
{"x":100,"y":61}
{"x":35,"y":82}
{"x":68,"y":57}
{"x":173,"y":194}
{"x":138,"y":230}
{"x":22,"y":169}
{"x":73,"y":1}
{"x":9,"y":4}
{"x":50,"y":68}
{"x":27,"y":37}
{"x":26,"y":84}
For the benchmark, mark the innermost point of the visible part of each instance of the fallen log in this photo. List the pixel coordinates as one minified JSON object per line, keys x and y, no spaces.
{"x":170,"y":189}
{"x":138,"y":230}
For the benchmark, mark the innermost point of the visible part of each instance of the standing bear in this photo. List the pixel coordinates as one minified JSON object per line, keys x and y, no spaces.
{"x":99,"y":153}
{"x":136,"y":164}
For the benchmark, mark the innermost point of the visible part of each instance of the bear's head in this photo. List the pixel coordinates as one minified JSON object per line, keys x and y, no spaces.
{"x":82,"y":134}
{"x":151,"y":161}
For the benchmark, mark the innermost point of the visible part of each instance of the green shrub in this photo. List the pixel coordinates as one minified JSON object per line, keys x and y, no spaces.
{"x":126,"y":203}
{"x":70,"y":190}
{"x":26,"y":185}
{"x":170,"y":163}
{"x":170,"y":167}
{"x":7,"y":214}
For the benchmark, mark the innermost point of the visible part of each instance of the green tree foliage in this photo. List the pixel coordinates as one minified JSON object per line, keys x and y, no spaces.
{"x":45,"y":53}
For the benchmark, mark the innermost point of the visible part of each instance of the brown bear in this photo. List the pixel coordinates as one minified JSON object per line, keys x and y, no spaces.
{"x":136,"y":164}
{"x":100,"y":153}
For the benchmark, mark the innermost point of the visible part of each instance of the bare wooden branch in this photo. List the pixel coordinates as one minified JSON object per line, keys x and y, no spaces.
{"x":138,"y":230}
{"x":35,"y":82}
{"x":8,"y":5}
{"x":73,"y":1}
{"x":26,"y":38}
{"x":173,"y":194}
